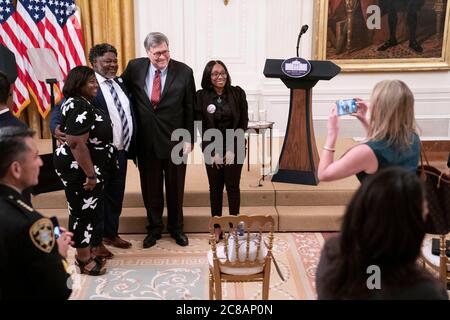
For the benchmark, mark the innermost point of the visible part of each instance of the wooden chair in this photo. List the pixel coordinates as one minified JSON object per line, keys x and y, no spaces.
{"x":240,"y":258}
{"x":441,"y":263}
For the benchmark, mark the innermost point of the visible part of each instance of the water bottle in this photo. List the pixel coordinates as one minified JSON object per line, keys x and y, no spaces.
{"x":241,"y":229}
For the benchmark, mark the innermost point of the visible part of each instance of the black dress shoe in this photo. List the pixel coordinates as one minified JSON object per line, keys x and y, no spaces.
{"x":415,"y":46}
{"x":150,"y":240}
{"x":388,"y":44}
{"x":180,"y":238}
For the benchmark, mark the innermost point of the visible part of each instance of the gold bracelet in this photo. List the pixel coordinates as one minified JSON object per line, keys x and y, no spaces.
{"x":329,"y":149}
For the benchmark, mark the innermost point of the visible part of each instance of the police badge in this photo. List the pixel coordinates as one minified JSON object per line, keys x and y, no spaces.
{"x":41,"y":234}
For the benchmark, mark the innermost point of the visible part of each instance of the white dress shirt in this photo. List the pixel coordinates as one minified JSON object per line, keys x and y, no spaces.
{"x":151,"y":76}
{"x":112,"y":109}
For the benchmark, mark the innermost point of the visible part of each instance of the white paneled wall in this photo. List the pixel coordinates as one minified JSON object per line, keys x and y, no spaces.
{"x":246,"y":32}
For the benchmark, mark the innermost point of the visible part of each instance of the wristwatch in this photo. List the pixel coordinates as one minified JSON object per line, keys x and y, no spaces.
{"x":94,"y":177}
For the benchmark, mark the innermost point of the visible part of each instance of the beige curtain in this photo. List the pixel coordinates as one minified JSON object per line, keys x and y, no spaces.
{"x":110,"y":21}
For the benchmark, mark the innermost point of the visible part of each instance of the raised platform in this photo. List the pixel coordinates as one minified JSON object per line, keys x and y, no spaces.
{"x":294,"y":207}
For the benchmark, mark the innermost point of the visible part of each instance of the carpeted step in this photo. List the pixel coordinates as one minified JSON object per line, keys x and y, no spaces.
{"x":309,"y":218}
{"x":196,"y":219}
{"x":249,"y":198}
{"x":336,"y":193}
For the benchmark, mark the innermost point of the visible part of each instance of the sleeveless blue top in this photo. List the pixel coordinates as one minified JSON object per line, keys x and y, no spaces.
{"x":392,"y":155}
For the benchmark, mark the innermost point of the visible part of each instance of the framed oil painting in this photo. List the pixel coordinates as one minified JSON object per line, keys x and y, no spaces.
{"x":383,"y":35}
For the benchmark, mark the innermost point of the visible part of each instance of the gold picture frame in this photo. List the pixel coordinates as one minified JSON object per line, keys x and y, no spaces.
{"x":358,"y":55}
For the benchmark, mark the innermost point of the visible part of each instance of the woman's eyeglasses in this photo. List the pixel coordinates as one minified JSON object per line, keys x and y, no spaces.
{"x":216,"y":75}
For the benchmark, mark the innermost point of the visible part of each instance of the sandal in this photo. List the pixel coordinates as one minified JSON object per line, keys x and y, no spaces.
{"x":92,"y":267}
{"x":100,"y":260}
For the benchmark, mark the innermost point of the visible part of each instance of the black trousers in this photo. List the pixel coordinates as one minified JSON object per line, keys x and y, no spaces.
{"x":107,"y":224}
{"x":412,"y":7}
{"x":155,"y":173}
{"x":230,"y":177}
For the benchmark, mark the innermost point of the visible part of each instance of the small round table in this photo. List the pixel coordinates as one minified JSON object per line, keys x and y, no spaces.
{"x":260,"y":127}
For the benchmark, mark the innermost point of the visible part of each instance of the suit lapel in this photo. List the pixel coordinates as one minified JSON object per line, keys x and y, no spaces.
{"x":171,"y":72}
{"x":122,"y":86}
{"x":141,"y":81}
{"x":100,"y":102}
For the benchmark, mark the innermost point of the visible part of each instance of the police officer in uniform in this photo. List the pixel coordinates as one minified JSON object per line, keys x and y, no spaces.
{"x":32,"y":261}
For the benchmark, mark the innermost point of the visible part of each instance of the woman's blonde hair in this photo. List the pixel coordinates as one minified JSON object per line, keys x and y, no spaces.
{"x":392,"y":113}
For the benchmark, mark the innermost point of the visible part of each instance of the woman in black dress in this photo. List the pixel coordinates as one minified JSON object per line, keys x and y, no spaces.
{"x":223,"y":110}
{"x":81,"y":161}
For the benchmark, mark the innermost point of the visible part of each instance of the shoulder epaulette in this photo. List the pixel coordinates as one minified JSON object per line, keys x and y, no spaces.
{"x":22,"y":204}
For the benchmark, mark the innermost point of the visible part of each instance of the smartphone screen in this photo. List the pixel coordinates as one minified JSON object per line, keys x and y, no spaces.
{"x":56,"y":229}
{"x":348,"y":106}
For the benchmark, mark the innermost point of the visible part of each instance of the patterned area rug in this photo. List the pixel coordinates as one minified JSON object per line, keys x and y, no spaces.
{"x":170,"y":272}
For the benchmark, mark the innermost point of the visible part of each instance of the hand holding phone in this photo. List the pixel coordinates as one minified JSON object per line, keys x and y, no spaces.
{"x":62,"y":237}
{"x":56,"y":229}
{"x":345,"y":107}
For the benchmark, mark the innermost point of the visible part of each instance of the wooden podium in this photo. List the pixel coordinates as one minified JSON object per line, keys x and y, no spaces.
{"x":299,"y":158}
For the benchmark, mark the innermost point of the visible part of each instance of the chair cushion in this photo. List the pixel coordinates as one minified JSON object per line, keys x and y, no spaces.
{"x":242,"y":254}
{"x":426,"y":253}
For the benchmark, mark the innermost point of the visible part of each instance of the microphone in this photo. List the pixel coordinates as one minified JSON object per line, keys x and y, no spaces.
{"x":305,"y":28}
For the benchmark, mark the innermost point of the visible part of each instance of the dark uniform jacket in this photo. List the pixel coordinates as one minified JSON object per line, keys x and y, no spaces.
{"x":30,"y":264}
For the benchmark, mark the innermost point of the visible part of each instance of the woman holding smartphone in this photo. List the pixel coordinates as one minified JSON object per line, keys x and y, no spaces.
{"x":391,"y":135}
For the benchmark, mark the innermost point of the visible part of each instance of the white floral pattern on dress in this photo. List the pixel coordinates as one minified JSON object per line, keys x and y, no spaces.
{"x":95,"y":141}
{"x":67,"y":106}
{"x":74,"y":165}
{"x":87,"y":235}
{"x":81,"y":117}
{"x":61,"y":150}
{"x":75,"y":225}
{"x":89,"y":203}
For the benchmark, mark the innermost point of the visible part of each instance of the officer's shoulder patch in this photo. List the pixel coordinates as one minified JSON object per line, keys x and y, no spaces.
{"x":41,"y":234}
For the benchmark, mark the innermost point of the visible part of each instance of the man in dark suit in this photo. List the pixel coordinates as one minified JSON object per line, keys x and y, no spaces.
{"x":7,"y":119}
{"x":112,"y":98}
{"x":163,"y":95}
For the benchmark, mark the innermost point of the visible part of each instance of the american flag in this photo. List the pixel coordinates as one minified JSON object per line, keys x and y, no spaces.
{"x":8,"y":37}
{"x":63,"y":33}
{"x":41,"y":24}
{"x":30,"y":18}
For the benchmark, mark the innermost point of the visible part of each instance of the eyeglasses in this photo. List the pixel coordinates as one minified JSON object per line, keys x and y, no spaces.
{"x":216,"y":75}
{"x":160,"y":53}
